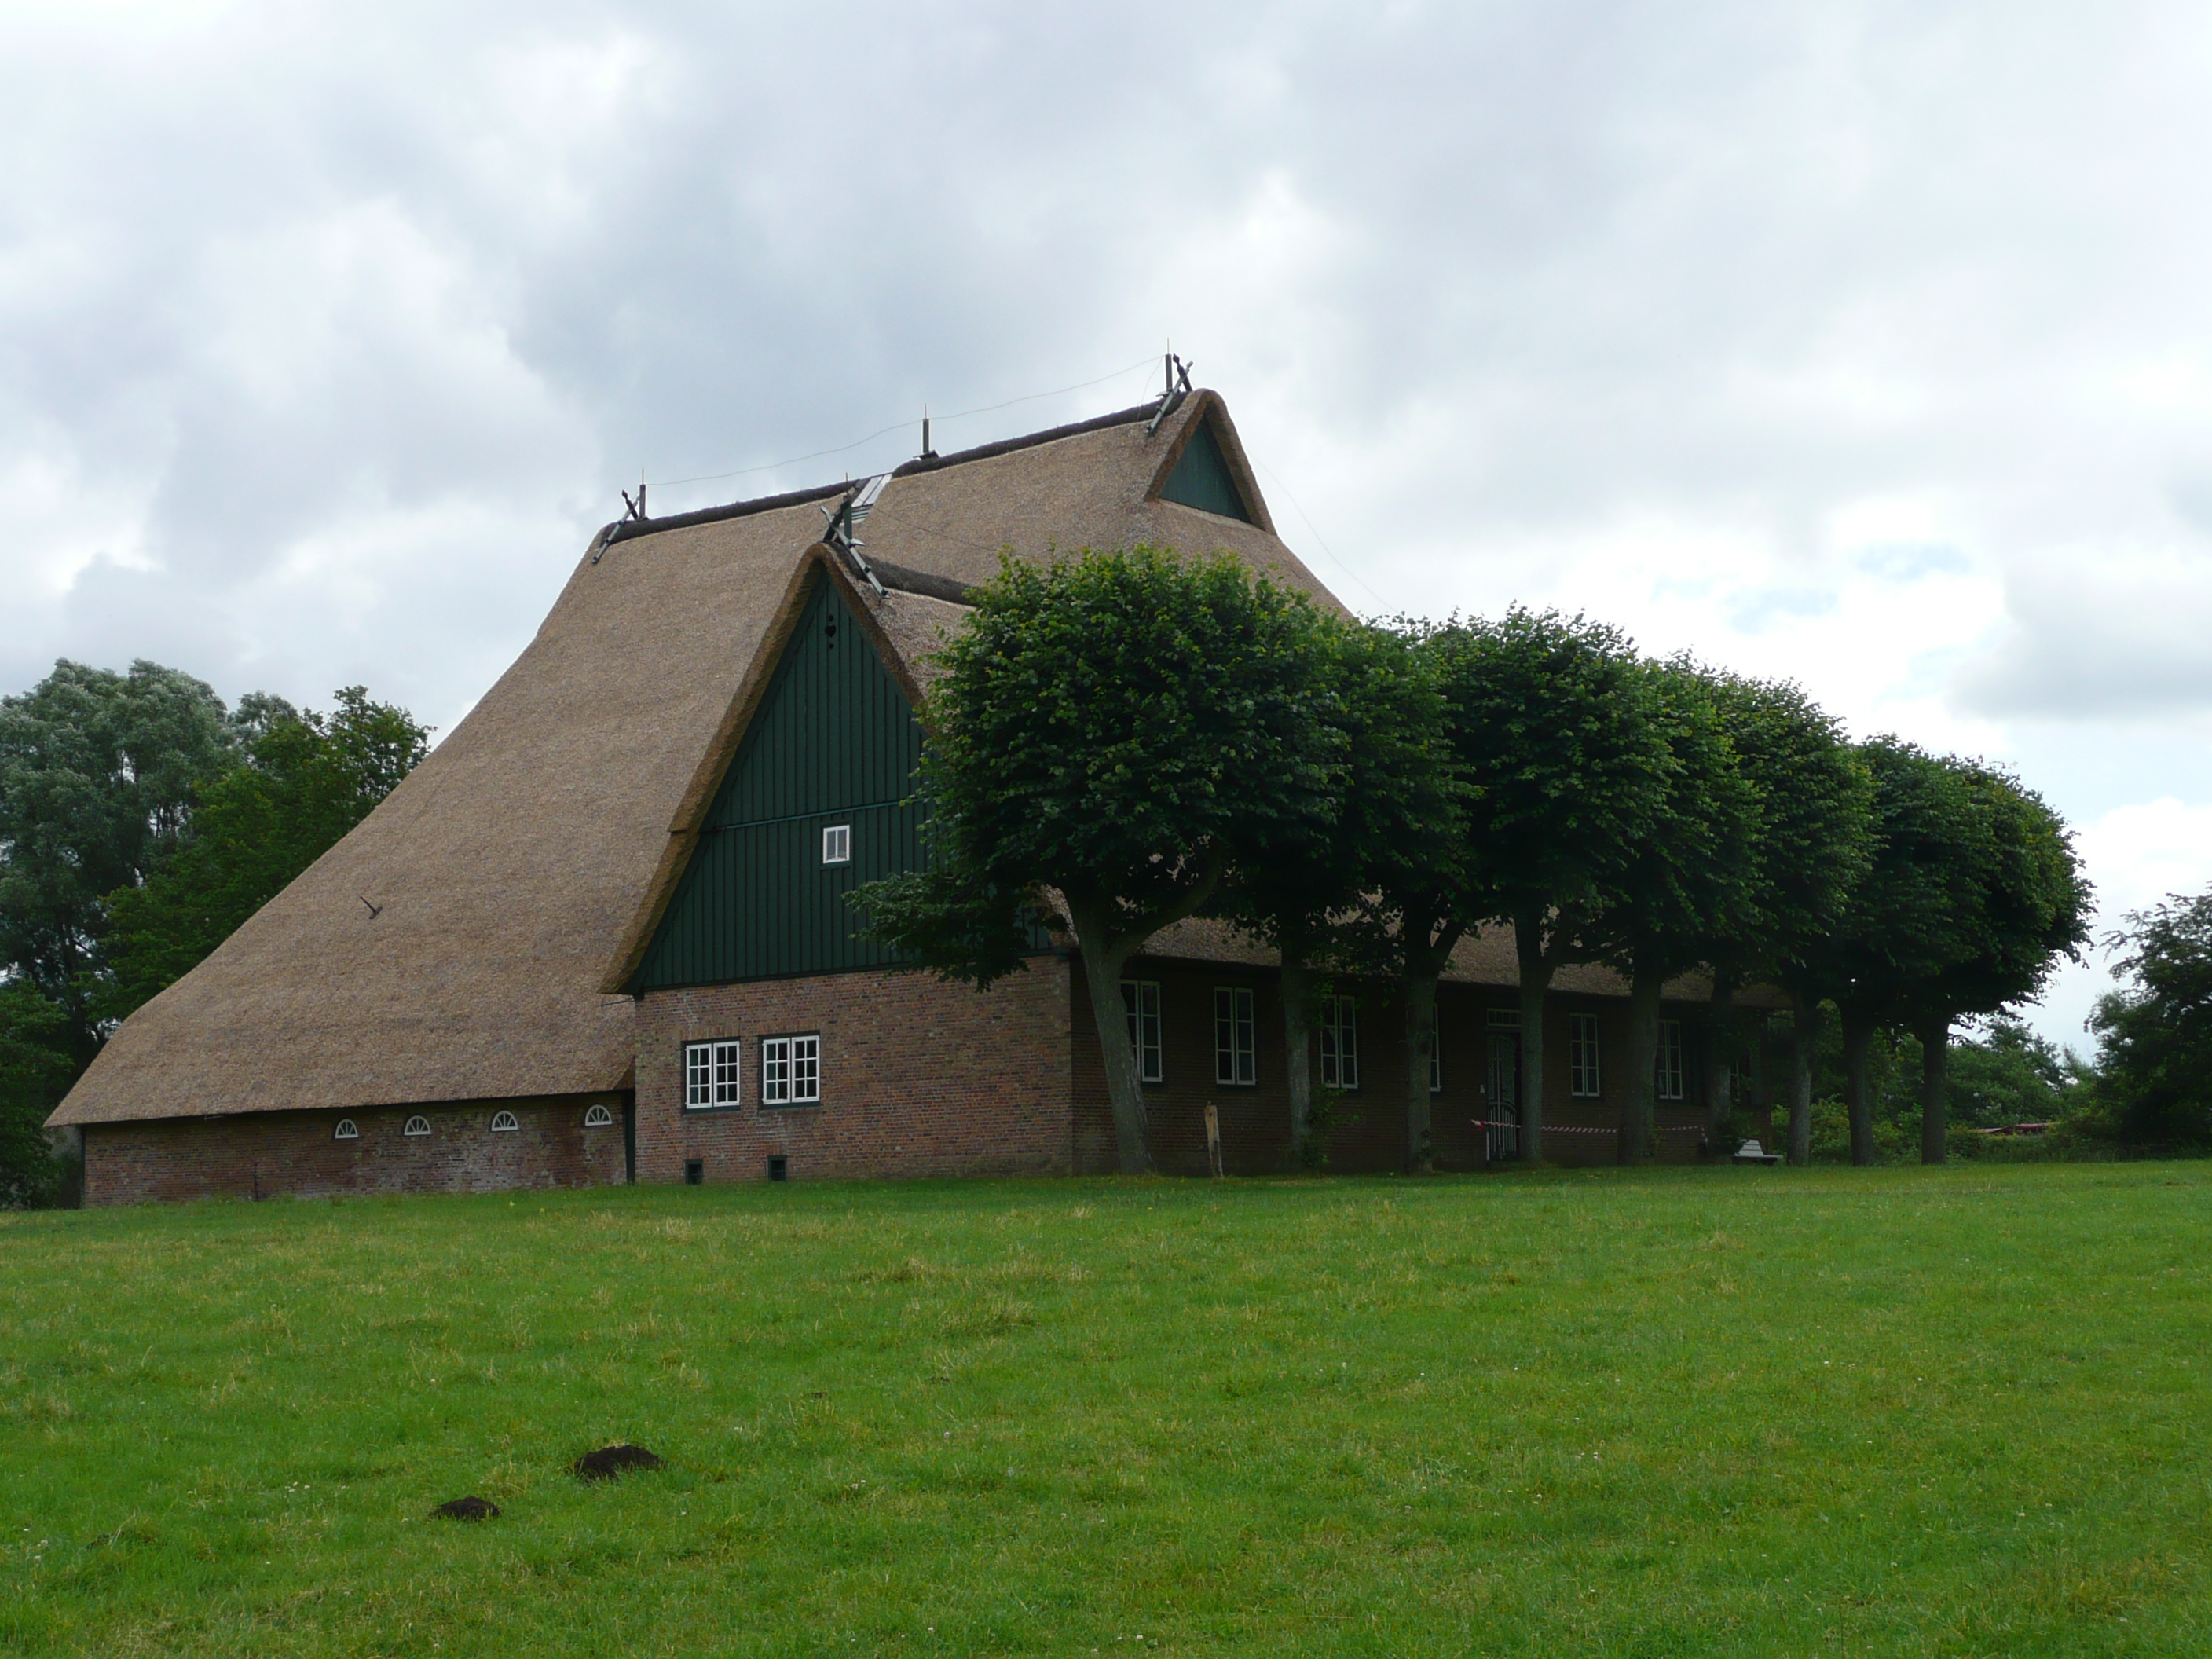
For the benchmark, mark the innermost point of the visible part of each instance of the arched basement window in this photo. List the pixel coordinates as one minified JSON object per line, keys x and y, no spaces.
{"x":503,"y":1123}
{"x":417,"y":1125}
{"x":345,"y":1131}
{"x":598,"y":1117}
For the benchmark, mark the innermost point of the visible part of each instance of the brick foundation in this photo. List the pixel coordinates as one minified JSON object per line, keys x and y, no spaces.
{"x":918,"y":1078}
{"x":295,"y":1155}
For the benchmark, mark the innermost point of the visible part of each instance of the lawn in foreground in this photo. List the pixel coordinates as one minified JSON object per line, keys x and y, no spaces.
{"x":1726,"y":1410}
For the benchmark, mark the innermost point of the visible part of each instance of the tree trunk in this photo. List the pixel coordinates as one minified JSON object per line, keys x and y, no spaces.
{"x":1421,"y":1038}
{"x":1720,"y":1054}
{"x":1634,"y":1145}
{"x":1804,"y":1038}
{"x":1297,"y":1050}
{"x":1858,"y":1086}
{"x":1103,"y":961}
{"x":1935,"y":1034}
{"x":1535,"y":980}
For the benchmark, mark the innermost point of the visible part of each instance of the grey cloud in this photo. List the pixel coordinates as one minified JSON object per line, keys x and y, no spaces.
{"x":2100,"y":638}
{"x":427,"y":283}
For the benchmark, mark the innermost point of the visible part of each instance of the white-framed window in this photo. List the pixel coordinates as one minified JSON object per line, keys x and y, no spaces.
{"x":1585,"y":1081}
{"x":837,"y":844}
{"x":503,"y":1123}
{"x":1667,"y":1065}
{"x":1339,"y":1043}
{"x":1140,"y":1000}
{"x":345,"y":1131}
{"x":791,"y":1070}
{"x":417,"y":1125}
{"x":712,"y":1074}
{"x":598,"y":1117}
{"x":1236,"y":1036}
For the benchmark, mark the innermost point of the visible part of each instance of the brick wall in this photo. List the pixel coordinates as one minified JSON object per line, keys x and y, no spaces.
{"x":1368,"y":1134}
{"x":297,"y":1155}
{"x":917,"y":1077}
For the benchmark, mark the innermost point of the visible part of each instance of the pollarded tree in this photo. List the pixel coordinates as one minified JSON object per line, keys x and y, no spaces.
{"x":2032,"y":910}
{"x":1112,"y":731}
{"x":1569,"y":767}
{"x":1690,"y":882}
{"x":1917,"y":912}
{"x":1811,"y":849}
{"x":1399,"y":816}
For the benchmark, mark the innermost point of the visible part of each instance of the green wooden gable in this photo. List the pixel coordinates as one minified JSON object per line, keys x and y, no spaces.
{"x":1201,"y":477}
{"x":833,"y":742}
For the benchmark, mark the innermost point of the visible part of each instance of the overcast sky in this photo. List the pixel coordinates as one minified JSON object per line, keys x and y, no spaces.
{"x":1866,"y":344}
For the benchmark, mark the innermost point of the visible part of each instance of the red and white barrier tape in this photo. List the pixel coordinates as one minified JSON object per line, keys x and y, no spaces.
{"x":1579,"y":1129}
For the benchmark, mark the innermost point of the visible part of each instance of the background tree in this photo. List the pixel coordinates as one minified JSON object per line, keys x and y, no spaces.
{"x":97,"y":772}
{"x":35,"y":1072}
{"x":1688,"y":883}
{"x":2031,"y":909}
{"x":1117,"y":730}
{"x":1812,"y":846}
{"x":1567,"y":766}
{"x":1398,"y":817}
{"x":306,"y":781}
{"x":2154,"y":1037}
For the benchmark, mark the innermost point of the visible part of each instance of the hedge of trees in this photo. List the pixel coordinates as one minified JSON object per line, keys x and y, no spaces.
{"x":142,"y":821}
{"x":1123,"y":739}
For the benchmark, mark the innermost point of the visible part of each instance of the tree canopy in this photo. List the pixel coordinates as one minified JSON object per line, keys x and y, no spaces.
{"x":1108,"y":734}
{"x":306,"y":780}
{"x":2154,"y":1037}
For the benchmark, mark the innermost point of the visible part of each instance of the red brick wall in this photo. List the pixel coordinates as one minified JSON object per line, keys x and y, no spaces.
{"x":1368,"y":1132}
{"x":294,"y":1154}
{"x":917,"y":1077}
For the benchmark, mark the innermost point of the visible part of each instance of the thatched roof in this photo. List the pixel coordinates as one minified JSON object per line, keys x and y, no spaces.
{"x":512,"y":873}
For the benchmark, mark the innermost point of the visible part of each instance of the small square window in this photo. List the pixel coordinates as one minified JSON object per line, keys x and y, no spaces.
{"x":837,"y":844}
{"x":791,"y":1070}
{"x":1339,"y":1043}
{"x":1141,"y":997}
{"x":1236,"y":1036}
{"x":712,"y":1074}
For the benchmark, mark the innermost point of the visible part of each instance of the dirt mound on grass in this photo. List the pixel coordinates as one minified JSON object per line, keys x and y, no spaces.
{"x":608,"y":1461}
{"x":468,"y":1509}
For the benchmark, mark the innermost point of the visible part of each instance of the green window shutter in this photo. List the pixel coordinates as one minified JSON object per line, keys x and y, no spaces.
{"x":1201,"y":477}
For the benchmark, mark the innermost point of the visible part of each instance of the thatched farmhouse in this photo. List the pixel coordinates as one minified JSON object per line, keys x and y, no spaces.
{"x":600,"y":935}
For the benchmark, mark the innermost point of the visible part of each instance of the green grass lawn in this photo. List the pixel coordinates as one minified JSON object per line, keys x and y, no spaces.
{"x":1661,"y":1412}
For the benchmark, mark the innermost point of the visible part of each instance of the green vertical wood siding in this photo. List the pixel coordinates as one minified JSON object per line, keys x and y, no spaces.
{"x":1201,"y":477}
{"x":834,"y":741}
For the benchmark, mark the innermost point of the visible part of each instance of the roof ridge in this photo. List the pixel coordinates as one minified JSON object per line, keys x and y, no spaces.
{"x":623,"y":530}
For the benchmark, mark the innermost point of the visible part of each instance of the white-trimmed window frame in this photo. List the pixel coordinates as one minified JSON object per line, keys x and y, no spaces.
{"x":1140,"y":1002}
{"x":1339,"y":1043}
{"x":837,"y":844}
{"x":345,"y":1129}
{"x":416,"y":1126}
{"x":1669,"y":1074}
{"x":1585,"y":1058}
{"x":598,"y":1116}
{"x":504,"y":1122}
{"x":1236,"y":1038}
{"x":713,"y":1074}
{"x":791,"y":1069}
